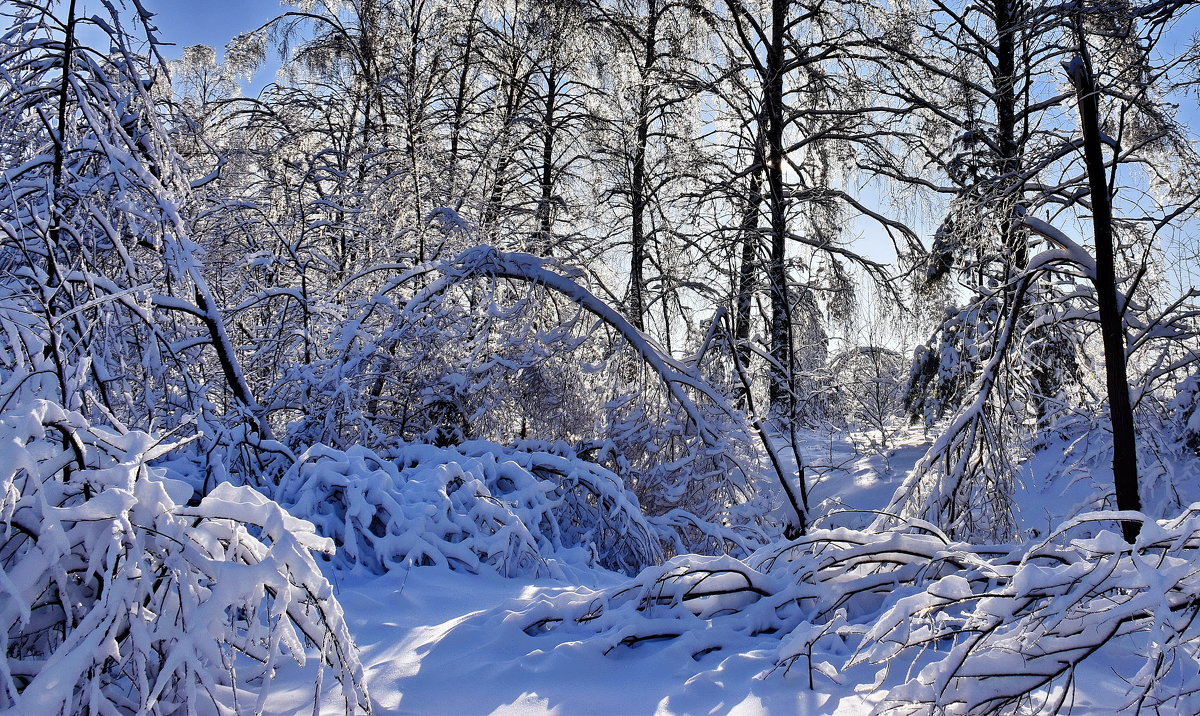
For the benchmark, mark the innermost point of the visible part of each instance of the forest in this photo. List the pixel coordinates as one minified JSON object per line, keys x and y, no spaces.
{"x":601,"y":356}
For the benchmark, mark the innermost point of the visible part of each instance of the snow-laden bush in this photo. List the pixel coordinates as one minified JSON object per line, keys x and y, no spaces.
{"x":503,"y":346}
{"x":1014,"y":630}
{"x":686,"y":597}
{"x":473,"y":507}
{"x":949,"y":627}
{"x":120,"y":593}
{"x":821,"y":579}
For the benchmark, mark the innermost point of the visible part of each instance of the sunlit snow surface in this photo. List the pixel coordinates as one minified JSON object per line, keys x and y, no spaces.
{"x":432,"y":643}
{"x":436,"y":641}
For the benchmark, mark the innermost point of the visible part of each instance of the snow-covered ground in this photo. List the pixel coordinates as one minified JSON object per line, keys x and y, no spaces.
{"x":436,"y":641}
{"x":482,"y":579}
{"x":433,"y":641}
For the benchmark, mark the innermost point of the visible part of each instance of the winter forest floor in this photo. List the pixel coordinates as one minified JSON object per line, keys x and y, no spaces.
{"x":434,"y":641}
{"x":437,"y":641}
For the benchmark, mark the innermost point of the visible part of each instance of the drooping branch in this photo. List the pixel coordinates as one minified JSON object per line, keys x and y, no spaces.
{"x":677,"y":377}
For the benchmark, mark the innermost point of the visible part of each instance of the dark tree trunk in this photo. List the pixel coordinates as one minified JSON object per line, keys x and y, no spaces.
{"x":512,"y":89}
{"x":638,"y":186}
{"x":458,"y":119}
{"x":227,"y":357}
{"x":545,"y":241}
{"x":781,"y":354}
{"x":1125,"y":475}
{"x":1005,"y":99}
{"x":57,"y":200}
{"x":747,"y":269}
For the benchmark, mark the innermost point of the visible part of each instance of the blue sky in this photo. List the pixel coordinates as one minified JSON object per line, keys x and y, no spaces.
{"x":208,"y":22}
{"x":211,"y":22}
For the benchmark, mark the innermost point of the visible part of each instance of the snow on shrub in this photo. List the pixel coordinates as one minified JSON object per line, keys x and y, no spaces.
{"x":120,"y":597}
{"x":1020,"y":626}
{"x":688,"y":595}
{"x":818,"y":579}
{"x":1187,"y":417}
{"x":502,"y":346}
{"x":473,"y":507}
{"x":950,"y":627}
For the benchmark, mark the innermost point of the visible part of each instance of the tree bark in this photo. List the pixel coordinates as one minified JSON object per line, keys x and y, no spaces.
{"x":1125,"y":475}
{"x":781,"y":354}
{"x":1004,"y":80}
{"x":458,"y":118}
{"x":638,"y":182}
{"x":747,"y":270}
{"x":545,"y":241}
{"x":231,"y":368}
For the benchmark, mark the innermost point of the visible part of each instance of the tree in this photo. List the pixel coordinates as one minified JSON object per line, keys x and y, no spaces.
{"x":1112,"y":327}
{"x":647,"y":139}
{"x":801,"y":116}
{"x":111,"y":331}
{"x":549,"y":163}
{"x":95,"y":231}
{"x":1033,"y":309}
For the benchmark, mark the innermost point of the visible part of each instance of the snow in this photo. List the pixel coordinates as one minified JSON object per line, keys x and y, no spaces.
{"x":719,"y":635}
{"x":227,"y":343}
{"x":840,"y":621}
{"x":429,"y":645}
{"x":439,"y":641}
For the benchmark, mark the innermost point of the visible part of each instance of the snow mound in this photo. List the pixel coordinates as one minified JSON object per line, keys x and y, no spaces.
{"x":473,"y":507}
{"x":116,"y":596}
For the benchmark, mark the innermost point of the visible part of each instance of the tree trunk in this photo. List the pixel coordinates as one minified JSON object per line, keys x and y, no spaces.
{"x":54,"y":233}
{"x":544,"y":245}
{"x":458,"y":119}
{"x":781,"y":355}
{"x":637,"y":200}
{"x":1125,"y":476}
{"x":746,"y":275}
{"x":513,"y":90}
{"x":231,"y":368}
{"x":1005,"y":99}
